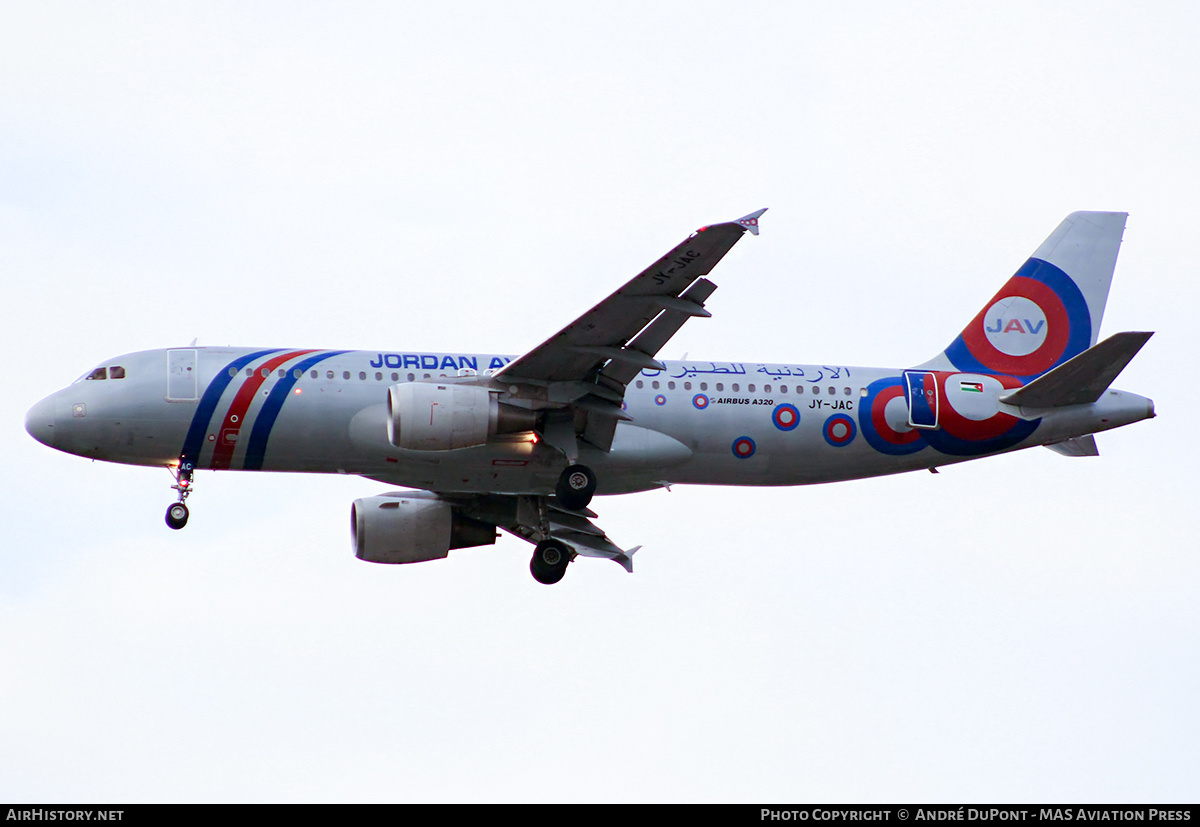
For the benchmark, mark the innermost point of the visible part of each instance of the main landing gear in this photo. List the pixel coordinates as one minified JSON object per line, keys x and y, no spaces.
{"x":573,"y":493}
{"x":576,"y":487}
{"x":177,"y":513}
{"x":549,"y":562}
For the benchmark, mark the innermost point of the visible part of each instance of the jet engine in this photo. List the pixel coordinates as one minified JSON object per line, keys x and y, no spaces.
{"x":412,"y":529}
{"x":440,"y":417}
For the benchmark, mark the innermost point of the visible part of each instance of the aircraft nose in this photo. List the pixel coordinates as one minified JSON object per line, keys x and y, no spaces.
{"x":40,"y":421}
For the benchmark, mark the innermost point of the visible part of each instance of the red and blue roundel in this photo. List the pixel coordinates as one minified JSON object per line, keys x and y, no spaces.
{"x":699,"y":401}
{"x":839,"y":430}
{"x":966,"y":428}
{"x":883,"y":416}
{"x":1037,"y":321}
{"x":786,"y":417}
{"x":660,"y":400}
{"x":744,"y":447}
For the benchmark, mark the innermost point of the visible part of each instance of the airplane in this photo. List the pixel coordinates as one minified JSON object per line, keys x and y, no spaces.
{"x":484,"y":442}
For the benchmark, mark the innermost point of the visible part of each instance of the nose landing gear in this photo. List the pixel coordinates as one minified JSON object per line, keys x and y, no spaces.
{"x":177,"y":513}
{"x":177,"y":516}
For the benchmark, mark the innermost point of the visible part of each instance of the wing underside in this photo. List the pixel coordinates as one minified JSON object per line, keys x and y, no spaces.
{"x":536,"y":519}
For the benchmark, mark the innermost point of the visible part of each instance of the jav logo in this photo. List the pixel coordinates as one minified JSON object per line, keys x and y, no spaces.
{"x":1015,"y":326}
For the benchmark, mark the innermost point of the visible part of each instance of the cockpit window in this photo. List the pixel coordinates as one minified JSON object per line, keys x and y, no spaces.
{"x":98,"y":373}
{"x":116,"y":372}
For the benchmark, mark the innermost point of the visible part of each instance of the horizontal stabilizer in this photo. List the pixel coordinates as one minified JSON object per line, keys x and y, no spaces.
{"x":1081,"y":380}
{"x":1076,"y":446}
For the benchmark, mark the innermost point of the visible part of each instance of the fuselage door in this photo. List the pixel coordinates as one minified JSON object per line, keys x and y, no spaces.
{"x":182,"y":381}
{"x":920,"y":388}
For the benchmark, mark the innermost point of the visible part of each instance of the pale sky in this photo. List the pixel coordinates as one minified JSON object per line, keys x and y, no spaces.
{"x":469,"y":177}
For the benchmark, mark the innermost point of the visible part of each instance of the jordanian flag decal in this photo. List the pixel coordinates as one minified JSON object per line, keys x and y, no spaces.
{"x":971,"y":387}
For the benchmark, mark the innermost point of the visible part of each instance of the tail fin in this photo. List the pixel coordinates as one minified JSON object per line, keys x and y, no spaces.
{"x":1050,"y":310}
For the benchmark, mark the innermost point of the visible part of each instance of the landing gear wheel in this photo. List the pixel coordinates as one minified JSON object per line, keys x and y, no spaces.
{"x":576,"y":487}
{"x":177,"y":513}
{"x":177,"y":516}
{"x":549,"y":562}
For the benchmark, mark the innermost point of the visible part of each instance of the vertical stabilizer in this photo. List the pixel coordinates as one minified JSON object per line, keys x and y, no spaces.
{"x":1050,"y":310}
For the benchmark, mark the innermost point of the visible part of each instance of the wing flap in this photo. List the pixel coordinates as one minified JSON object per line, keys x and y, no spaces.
{"x":656,"y":334}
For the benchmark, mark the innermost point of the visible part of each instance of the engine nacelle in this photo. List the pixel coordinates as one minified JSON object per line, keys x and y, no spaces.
{"x":401,"y":529}
{"x":427,"y":416}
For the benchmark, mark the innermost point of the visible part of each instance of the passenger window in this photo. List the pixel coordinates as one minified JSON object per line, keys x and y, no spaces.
{"x":249,"y":371}
{"x":232,"y":372}
{"x":670,"y":386}
{"x":687,"y":386}
{"x":116,"y":372}
{"x":395,"y":377}
{"x":378,"y":376}
{"x":313,"y":374}
{"x":832,"y":391}
{"x":862,"y":391}
{"x":98,"y":373}
{"x":639,"y":383}
{"x":328,"y":374}
{"x":345,"y":374}
{"x":282,"y":372}
{"x":411,"y":377}
{"x":297,"y":373}
{"x":265,"y":373}
{"x":736,"y":387}
{"x":362,"y":375}
{"x":654,"y":384}
{"x":783,"y":389}
{"x":750,"y":388}
{"x":847,"y":390}
{"x":720,"y":386}
{"x":703,"y":386}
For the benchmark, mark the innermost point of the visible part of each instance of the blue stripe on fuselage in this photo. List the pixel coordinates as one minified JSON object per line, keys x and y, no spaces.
{"x":256,"y":449}
{"x":194,"y":441}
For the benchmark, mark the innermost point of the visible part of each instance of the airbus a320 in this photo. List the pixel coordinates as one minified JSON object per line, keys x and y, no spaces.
{"x":484,"y":441}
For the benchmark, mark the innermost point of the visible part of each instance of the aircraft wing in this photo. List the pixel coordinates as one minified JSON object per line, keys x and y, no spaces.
{"x":588,"y":539}
{"x":672,"y":286}
{"x":521,"y":516}
{"x":588,"y":363}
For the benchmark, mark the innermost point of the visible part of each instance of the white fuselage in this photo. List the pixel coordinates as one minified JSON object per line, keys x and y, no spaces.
{"x":728,"y":423}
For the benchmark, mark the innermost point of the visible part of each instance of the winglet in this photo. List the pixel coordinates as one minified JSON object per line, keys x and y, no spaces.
{"x":750,"y":222}
{"x":626,"y":559}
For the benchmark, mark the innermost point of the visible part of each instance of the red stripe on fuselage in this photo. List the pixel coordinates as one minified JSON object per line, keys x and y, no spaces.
{"x":235,"y":417}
